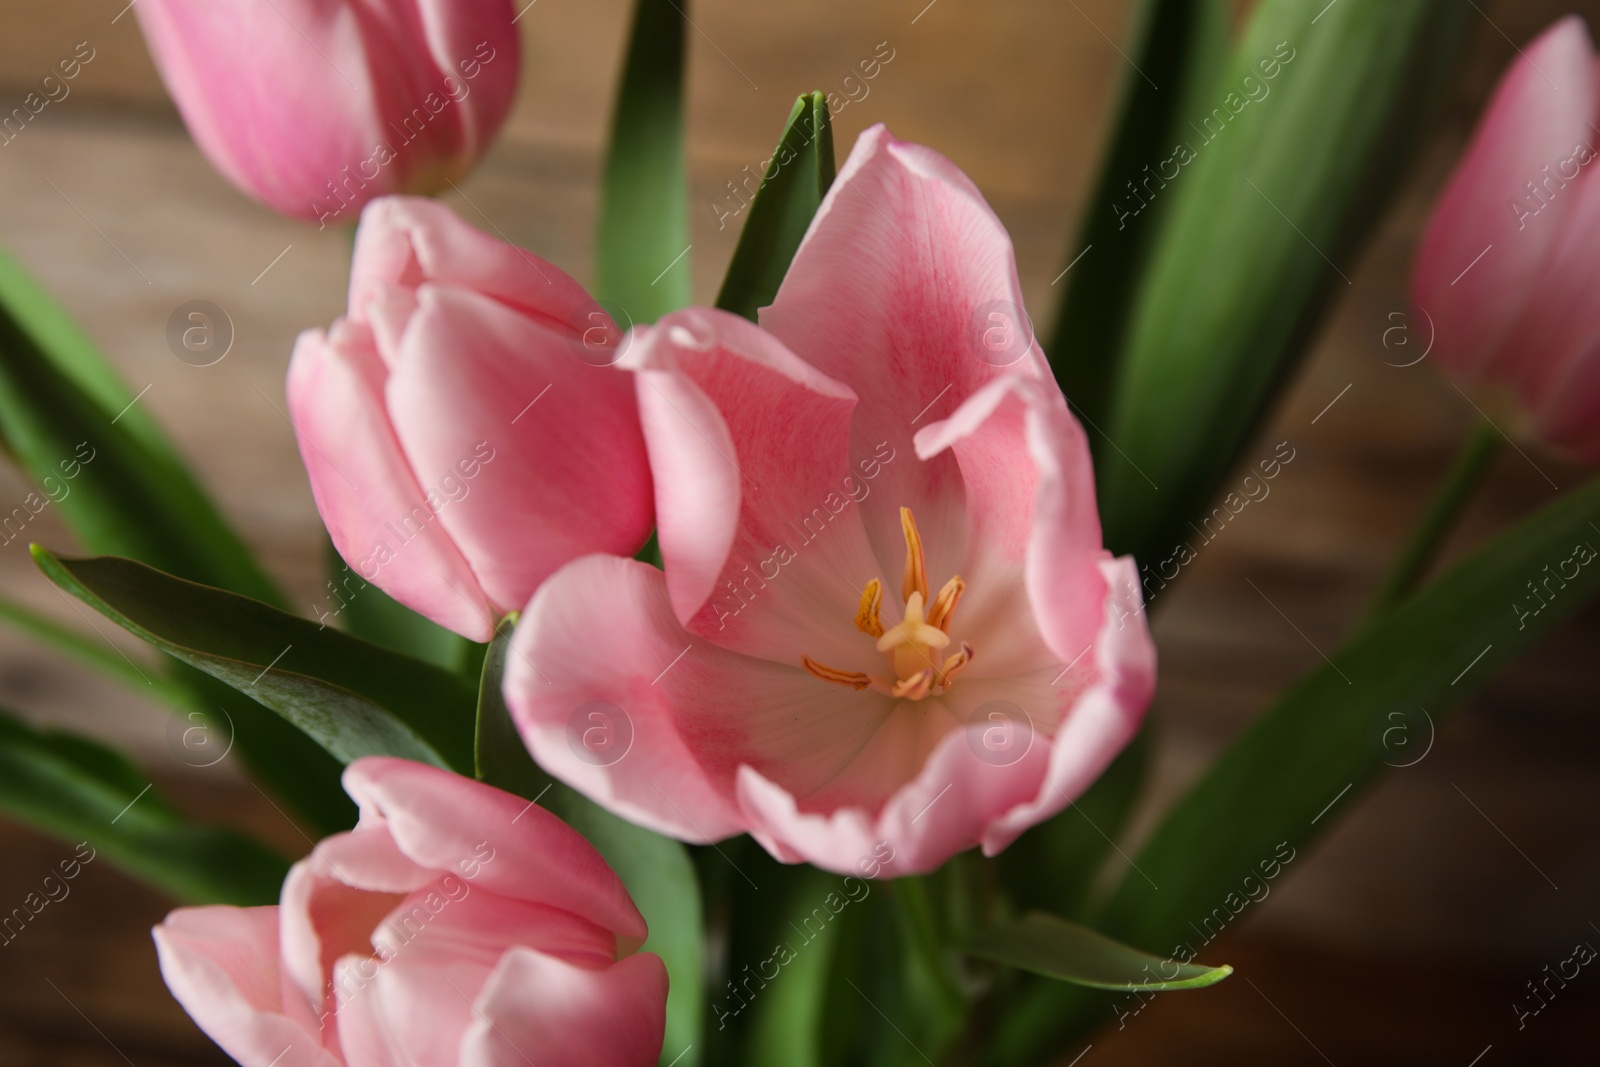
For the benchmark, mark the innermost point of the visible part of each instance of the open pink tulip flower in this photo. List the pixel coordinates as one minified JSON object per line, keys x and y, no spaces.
{"x":456,"y":924}
{"x":315,"y":107}
{"x":887,"y":629}
{"x":1510,"y":261}
{"x":462,"y":431}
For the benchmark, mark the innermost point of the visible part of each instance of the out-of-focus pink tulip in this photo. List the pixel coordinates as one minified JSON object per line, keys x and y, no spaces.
{"x":456,"y":924}
{"x":463,"y":437}
{"x":315,"y":107}
{"x":1510,"y":262}
{"x":887,"y":629}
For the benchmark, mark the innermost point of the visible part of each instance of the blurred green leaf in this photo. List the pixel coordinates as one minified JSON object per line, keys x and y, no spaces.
{"x":101,"y":655}
{"x":80,"y":434}
{"x":62,"y":407}
{"x":790,"y":1016}
{"x":1180,"y":44}
{"x":641,"y":255}
{"x":371,"y":614}
{"x":796,"y":179}
{"x":1056,"y":948}
{"x":1053,"y":865}
{"x":656,"y":870}
{"x":353,"y":698}
{"x":1376,"y":703}
{"x":82,"y":791}
{"x":1273,"y":199}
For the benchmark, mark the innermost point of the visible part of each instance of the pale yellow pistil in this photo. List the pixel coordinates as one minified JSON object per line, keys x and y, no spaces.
{"x":913,"y":647}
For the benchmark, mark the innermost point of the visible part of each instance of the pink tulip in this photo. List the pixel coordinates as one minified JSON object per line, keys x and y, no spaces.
{"x":315,"y":107}
{"x":1510,"y":261}
{"x":887,"y":628}
{"x":462,"y":436}
{"x":456,"y":924}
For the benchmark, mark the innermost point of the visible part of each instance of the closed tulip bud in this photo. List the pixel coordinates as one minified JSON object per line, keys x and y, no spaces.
{"x":1508,"y":266}
{"x":315,"y":107}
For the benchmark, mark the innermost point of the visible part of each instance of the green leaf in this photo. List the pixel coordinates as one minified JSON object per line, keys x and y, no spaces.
{"x":1180,"y":46}
{"x":63,"y":409}
{"x":82,"y":791}
{"x":1056,"y":948}
{"x":101,"y":655}
{"x":656,"y":870}
{"x":793,"y":184}
{"x":641,"y":255}
{"x":1307,"y":759}
{"x":1259,"y":231}
{"x":371,"y":614}
{"x":790,"y":1015}
{"x":353,"y":698}
{"x":1054,"y":865}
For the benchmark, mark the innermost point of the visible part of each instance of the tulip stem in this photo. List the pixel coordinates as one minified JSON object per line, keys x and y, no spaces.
{"x":921,"y":931}
{"x":1448,"y":504}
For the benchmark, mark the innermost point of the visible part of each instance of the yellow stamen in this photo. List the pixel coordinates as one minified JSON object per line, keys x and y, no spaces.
{"x":854,"y":679}
{"x":916,"y":576}
{"x":868,"y":620}
{"x":944,"y":605}
{"x":954,"y":665}
{"x":916,"y":687}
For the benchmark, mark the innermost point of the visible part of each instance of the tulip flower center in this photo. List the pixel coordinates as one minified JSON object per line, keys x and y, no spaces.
{"x":914,"y":646}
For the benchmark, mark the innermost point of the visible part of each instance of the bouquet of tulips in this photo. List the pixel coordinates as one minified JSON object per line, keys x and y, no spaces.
{"x":762,"y":682}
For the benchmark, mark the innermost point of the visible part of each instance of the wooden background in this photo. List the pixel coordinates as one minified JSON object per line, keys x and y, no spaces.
{"x":1406,"y":934}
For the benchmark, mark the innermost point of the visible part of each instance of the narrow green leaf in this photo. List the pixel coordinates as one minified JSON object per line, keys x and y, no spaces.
{"x":82,"y":791}
{"x":100,"y":655}
{"x":1056,"y":948}
{"x":1271,"y":185}
{"x":641,"y":256}
{"x":353,"y":698}
{"x":1180,"y":46}
{"x":790,"y":1014}
{"x":1375,"y":705}
{"x":793,"y":183}
{"x":657,"y":871}
{"x":60,"y":402}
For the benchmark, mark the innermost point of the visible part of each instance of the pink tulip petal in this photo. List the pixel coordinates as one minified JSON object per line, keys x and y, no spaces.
{"x":750,"y":448}
{"x":892,"y":292}
{"x":221,"y":965}
{"x":308,"y":113}
{"x":406,"y":241}
{"x":1104,"y":716}
{"x":1571,"y":418}
{"x":502,"y":843}
{"x":370,"y":501}
{"x":1481,"y":258}
{"x":602,"y":629}
{"x":539,"y":1009}
{"x":534,"y":457}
